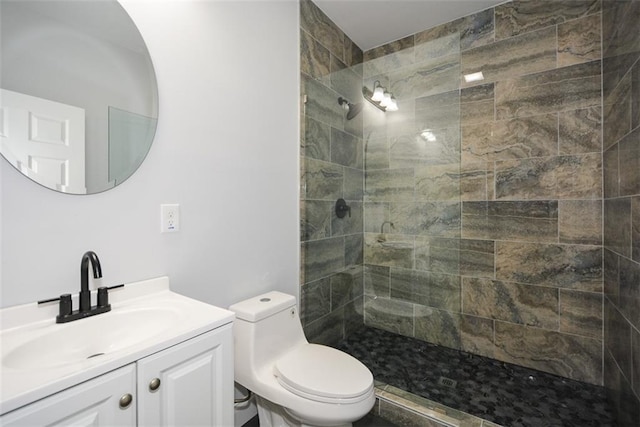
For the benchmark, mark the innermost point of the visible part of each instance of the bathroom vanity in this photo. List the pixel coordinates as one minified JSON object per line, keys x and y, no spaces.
{"x":157,"y":358}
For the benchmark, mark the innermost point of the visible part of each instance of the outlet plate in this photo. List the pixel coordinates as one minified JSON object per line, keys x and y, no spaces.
{"x":169,"y":218}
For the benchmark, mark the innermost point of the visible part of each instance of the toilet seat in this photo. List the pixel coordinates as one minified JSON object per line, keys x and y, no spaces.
{"x":324,"y":374}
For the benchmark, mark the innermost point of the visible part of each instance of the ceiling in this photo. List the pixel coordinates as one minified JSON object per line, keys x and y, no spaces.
{"x":372,"y":23}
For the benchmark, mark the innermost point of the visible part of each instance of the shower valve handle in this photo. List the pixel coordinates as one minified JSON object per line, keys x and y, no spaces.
{"x":342,"y":209}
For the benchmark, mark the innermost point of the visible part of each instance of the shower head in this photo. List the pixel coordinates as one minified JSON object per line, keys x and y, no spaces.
{"x":352,"y":109}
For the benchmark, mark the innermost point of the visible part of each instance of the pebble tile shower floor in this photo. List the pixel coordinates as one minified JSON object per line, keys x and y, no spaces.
{"x":503,"y":393}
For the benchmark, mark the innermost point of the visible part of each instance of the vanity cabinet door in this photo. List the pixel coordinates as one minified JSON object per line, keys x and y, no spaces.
{"x":96,"y":402}
{"x":189,"y":384}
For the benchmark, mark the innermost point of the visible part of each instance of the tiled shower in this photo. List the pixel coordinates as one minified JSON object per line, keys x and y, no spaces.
{"x":499,"y":217}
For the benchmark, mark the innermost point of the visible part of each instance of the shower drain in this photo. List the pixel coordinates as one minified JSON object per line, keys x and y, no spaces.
{"x":447,"y":382}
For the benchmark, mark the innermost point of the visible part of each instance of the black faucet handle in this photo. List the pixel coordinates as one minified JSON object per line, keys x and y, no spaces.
{"x":103,"y":296}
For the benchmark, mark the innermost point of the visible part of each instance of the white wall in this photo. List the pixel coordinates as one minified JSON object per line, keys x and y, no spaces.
{"x":226,"y":150}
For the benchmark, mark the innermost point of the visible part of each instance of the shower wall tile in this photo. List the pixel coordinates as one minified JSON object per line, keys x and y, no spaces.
{"x":440,"y":219}
{"x":317,"y":140}
{"x":533,"y":221}
{"x":322,"y":180}
{"x":537,"y":93}
{"x":618,"y":338}
{"x":473,"y":30}
{"x":438,"y":111}
{"x":354,"y":250}
{"x":314,"y":58}
{"x":570,"y":356}
{"x":521,"y":16}
{"x":462,"y":257}
{"x":346,"y":149}
{"x":523,"y":304}
{"x":476,"y":335}
{"x":443,"y":46}
{"x":350,"y":224}
{"x":629,"y":163}
{"x":353,"y":316}
{"x":617,"y":222}
{"x":400,"y":58}
{"x":580,"y":131}
{"x":635,"y":229}
{"x":576,"y":267}
{"x":442,"y":148}
{"x":630,"y":291}
{"x":610,"y":172}
{"x":635,"y":359}
{"x":437,"y":326}
{"x":322,"y":258}
{"x":315,"y":219}
{"x":315,"y":300}
{"x":428,"y":289}
{"x":376,"y":214}
{"x":345,"y":80}
{"x":525,"y":54}
{"x":581,"y":313}
{"x":376,"y":153}
{"x":389,"y":184}
{"x":389,"y":48}
{"x":535,"y":136}
{"x":580,"y":221}
{"x":389,"y":315}
{"x":617,"y":112}
{"x":477,"y":104}
{"x":353,"y":184}
{"x":473,"y":181}
{"x":579,"y":40}
{"x":327,"y":330}
{"x":388,"y":250}
{"x":377,"y":281}
{"x":426,"y":78}
{"x":323,"y":29}
{"x":611,"y":287}
{"x":346,"y":286}
{"x":322,"y":103}
{"x":438,"y":182}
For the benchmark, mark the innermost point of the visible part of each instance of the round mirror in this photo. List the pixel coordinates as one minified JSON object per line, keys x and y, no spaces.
{"x":79,"y":99}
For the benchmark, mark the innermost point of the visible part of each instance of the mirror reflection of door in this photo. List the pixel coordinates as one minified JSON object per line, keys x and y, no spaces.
{"x":44,"y":140}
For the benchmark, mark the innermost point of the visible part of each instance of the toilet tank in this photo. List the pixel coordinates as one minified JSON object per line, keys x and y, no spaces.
{"x":265,"y":328}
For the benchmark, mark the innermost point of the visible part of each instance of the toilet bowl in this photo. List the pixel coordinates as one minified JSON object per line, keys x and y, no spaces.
{"x":296,"y":383}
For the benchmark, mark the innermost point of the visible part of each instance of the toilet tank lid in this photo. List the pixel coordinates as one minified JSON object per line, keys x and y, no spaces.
{"x":262,"y":306}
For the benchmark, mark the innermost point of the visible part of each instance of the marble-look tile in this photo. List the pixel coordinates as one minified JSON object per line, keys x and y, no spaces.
{"x":579,"y":40}
{"x":438,"y":182}
{"x":617,"y":224}
{"x":533,"y":221}
{"x":399,"y":415}
{"x":477,"y":104}
{"x":630,"y":290}
{"x":539,"y":93}
{"x":437,"y":326}
{"x":322,"y":258}
{"x":617,"y":337}
{"x":570,"y":356}
{"x":443,"y":46}
{"x":455,"y":256}
{"x":635,"y":95}
{"x":561,"y":177}
{"x":426,"y":78}
{"x":617,"y":112}
{"x":620,"y":22}
{"x":321,"y":103}
{"x":629,"y":152}
{"x":389,"y":315}
{"x":635,"y":229}
{"x":317,"y":140}
{"x":314,"y":58}
{"x":346,"y":149}
{"x":564,"y":266}
{"x":327,"y":330}
{"x":635,"y":359}
{"x":315,"y":219}
{"x":581,"y":313}
{"x":428,"y":147}
{"x":611,"y":287}
{"x":377,"y":282}
{"x":535,"y":136}
{"x":389,"y":184}
{"x":438,"y":111}
{"x":610,"y":172}
{"x":376,"y":153}
{"x":353,"y":250}
{"x":476,"y":335}
{"x":580,"y":221}
{"x":580,"y":131}
{"x":353,"y":316}
{"x":315,"y":22}
{"x":473,"y":181}
{"x":350,"y":224}
{"x":322,"y":180}
{"x":388,"y":62}
{"x":345,"y":81}
{"x":524,"y":304}
{"x":389,"y":48}
{"x":425,"y":288}
{"x":388,"y":250}
{"x":516,"y":56}
{"x":353,"y":55}
{"x":521,"y":16}
{"x":346,"y":286}
{"x":353,"y":184}
{"x":474,"y":30}
{"x":376,"y":214}
{"x":315,"y":300}
{"x":440,"y":219}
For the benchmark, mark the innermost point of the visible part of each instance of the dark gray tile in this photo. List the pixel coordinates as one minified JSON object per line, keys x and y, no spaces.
{"x":635,"y":359}
{"x":635,"y":229}
{"x":474,"y":30}
{"x":611,"y":276}
{"x":617,"y":112}
{"x":315,"y":59}
{"x":321,"y":102}
{"x":315,"y":22}
{"x":610,"y":172}
{"x":425,"y":288}
{"x":579,"y":40}
{"x":377,"y":281}
{"x":618,"y":337}
{"x":327,"y":330}
{"x":581,"y":313}
{"x":317,"y":140}
{"x":354,"y":250}
{"x":315,"y":300}
{"x":565,"y":266}
{"x":630,"y":290}
{"x":353,"y":55}
{"x":438,"y":327}
{"x":389,"y":48}
{"x":580,"y":131}
{"x":346,"y":286}
{"x":346,"y":149}
{"x":580,"y":222}
{"x":322,"y":258}
{"x":315,"y":219}
{"x":322,"y":180}
{"x":629,"y":152}
{"x":349,"y":224}
{"x":617,"y":223}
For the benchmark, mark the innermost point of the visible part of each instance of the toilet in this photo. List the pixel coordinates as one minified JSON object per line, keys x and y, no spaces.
{"x":296,"y":383}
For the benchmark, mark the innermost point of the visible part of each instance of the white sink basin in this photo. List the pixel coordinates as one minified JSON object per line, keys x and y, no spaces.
{"x":40,"y":357}
{"x":96,"y":336}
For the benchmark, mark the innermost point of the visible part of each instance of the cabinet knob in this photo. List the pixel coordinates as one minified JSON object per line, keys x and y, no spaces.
{"x":154,"y":384}
{"x":125,"y":401}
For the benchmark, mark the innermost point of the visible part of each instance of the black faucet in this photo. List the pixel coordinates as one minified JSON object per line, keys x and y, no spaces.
{"x":67,"y":314}
{"x":85,"y":293}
